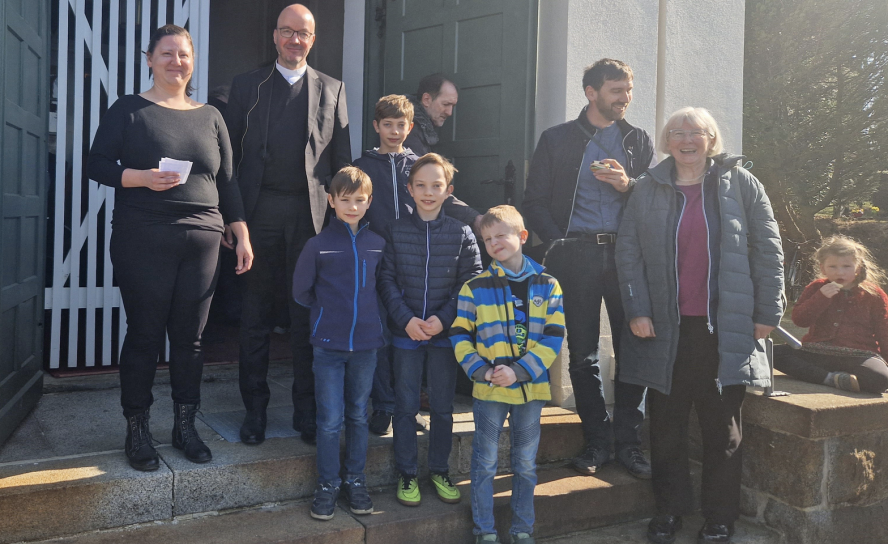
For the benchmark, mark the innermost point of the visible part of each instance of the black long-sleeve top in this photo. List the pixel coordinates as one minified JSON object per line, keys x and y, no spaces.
{"x":138,"y":133}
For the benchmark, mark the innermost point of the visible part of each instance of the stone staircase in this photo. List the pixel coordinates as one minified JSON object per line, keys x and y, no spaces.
{"x":261,"y":494}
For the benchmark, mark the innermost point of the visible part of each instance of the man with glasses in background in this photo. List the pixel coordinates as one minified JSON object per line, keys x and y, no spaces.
{"x":579,"y":180}
{"x":283,"y":158}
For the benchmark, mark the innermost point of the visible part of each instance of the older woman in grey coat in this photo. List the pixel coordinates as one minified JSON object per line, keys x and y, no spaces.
{"x":699,"y":261}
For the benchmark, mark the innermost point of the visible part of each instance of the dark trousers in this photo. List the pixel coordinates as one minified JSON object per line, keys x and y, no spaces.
{"x":278,"y":231}
{"x":694,"y":384}
{"x":383,"y":393}
{"x":166,"y":275}
{"x":441,"y":369}
{"x":587,"y":274}
{"x":871,"y":372}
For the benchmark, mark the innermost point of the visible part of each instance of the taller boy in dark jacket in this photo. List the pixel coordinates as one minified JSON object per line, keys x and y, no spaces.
{"x":428,"y":257}
{"x":336,"y":277}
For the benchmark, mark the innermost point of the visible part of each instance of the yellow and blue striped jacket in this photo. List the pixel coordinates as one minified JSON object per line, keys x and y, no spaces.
{"x":483,"y":332}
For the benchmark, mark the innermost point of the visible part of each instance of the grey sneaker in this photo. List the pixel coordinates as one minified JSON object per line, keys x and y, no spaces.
{"x":489,"y":538}
{"x":635,"y":462}
{"x":845,"y":382}
{"x":523,"y":538}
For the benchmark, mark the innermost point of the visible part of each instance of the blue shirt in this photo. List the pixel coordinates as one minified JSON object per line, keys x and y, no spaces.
{"x":598,"y":207}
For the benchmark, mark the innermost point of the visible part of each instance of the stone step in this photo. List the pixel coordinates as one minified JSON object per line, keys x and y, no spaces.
{"x":98,"y":491}
{"x":634,"y":532}
{"x":565,"y":502}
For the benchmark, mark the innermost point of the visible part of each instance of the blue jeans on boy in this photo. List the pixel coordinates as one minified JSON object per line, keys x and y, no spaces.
{"x":343,"y":380}
{"x":383,"y":393}
{"x":524,"y":434}
{"x":441,"y":372}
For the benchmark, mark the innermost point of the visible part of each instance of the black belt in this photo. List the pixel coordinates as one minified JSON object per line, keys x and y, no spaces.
{"x":601,"y":238}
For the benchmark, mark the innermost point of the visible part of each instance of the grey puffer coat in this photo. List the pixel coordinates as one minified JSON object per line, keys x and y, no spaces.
{"x":747,"y":287}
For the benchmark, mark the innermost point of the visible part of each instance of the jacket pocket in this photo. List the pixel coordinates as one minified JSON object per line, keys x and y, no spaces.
{"x":364,"y":273}
{"x":314,"y":329}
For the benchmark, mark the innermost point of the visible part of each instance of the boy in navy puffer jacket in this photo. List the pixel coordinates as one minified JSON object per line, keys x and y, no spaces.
{"x":428,"y":257}
{"x":389,"y":167}
{"x":336,"y":277}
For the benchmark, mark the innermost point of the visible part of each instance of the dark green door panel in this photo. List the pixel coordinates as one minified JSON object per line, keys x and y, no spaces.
{"x":489,"y":49}
{"x":25,"y":52}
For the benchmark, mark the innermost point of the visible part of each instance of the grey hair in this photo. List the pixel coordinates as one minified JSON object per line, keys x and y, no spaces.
{"x":699,"y":117}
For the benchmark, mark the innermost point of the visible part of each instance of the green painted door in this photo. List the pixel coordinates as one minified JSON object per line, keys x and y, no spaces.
{"x":24,"y":53}
{"x":489,"y":49}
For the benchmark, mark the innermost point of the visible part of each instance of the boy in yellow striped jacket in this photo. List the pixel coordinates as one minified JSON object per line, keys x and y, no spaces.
{"x":508,"y":330}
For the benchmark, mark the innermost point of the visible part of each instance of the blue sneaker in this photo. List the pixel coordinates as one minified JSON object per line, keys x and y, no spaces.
{"x":324,"y":504}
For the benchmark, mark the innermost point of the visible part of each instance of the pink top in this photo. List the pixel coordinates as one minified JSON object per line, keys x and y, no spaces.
{"x":693,"y":254}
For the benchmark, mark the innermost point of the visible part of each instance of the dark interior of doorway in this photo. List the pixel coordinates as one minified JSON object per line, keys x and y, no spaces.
{"x":240,"y":41}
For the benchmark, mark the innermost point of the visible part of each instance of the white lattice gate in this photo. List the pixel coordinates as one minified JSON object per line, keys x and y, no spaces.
{"x":100,"y":44}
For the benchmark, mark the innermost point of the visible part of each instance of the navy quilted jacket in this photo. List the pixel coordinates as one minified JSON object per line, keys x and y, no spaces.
{"x":424,"y":266}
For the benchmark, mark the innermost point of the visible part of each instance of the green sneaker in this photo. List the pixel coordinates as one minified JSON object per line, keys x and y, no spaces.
{"x":408,"y":490}
{"x":522,"y":538}
{"x":447,"y":492}
{"x":489,"y":538}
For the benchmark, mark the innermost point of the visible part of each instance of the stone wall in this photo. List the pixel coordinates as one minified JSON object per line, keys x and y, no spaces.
{"x":815,"y":464}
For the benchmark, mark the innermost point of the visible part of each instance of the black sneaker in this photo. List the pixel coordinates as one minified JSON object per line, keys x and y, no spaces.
{"x":635,"y":462}
{"x":662,"y":529}
{"x":380,"y":422}
{"x":715,"y":532}
{"x":324,"y":504}
{"x":591,"y":460}
{"x":357,"y":496}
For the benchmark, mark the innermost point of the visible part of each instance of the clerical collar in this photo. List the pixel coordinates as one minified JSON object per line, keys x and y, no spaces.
{"x":292,"y":76}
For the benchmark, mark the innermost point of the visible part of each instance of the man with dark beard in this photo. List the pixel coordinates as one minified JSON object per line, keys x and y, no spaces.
{"x":580,"y":178}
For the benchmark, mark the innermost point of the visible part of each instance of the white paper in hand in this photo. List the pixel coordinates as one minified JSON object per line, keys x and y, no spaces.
{"x":172,"y":165}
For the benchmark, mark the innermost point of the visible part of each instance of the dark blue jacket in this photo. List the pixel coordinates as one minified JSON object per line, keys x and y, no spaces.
{"x":389,"y":173}
{"x":425,"y":265}
{"x":336,"y":277}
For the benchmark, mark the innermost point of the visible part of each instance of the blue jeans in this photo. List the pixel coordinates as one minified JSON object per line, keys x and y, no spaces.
{"x":343,"y":380}
{"x":524,"y":434}
{"x":383,"y":394}
{"x":441,"y":371}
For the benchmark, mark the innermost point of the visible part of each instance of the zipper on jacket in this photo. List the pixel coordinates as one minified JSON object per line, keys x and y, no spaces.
{"x":708,"y":260}
{"x":351,"y":334}
{"x":573,"y":202}
{"x":425,"y":297}
{"x":677,"y":227}
{"x":314,"y":330}
{"x":718,"y":384}
{"x":395,"y":187}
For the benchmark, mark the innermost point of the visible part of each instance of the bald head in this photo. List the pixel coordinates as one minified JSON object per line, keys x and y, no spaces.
{"x":292,"y":51}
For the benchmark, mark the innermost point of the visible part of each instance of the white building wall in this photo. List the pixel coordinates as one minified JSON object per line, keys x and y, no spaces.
{"x":353,"y":70}
{"x":682,"y":52}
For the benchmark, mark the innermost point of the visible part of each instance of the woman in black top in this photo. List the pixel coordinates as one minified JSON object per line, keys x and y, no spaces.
{"x":167,"y":231}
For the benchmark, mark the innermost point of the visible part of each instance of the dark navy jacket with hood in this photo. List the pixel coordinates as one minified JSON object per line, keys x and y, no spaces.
{"x":391,"y":201}
{"x":335,"y":276}
{"x":388,"y":172}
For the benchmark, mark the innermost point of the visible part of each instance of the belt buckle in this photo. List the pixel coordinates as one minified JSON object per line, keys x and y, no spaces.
{"x":603,"y":238}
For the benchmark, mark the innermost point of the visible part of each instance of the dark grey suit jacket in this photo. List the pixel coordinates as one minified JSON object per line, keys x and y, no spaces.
{"x":327,"y":148}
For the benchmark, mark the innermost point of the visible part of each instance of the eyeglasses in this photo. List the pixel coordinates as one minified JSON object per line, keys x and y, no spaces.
{"x":288,"y":33}
{"x":678,"y":134}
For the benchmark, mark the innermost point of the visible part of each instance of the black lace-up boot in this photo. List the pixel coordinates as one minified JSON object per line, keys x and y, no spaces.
{"x":185,"y":435}
{"x":139,"y":445}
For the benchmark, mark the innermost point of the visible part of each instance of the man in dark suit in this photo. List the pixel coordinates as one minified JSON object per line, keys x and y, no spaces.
{"x":289,"y":133}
